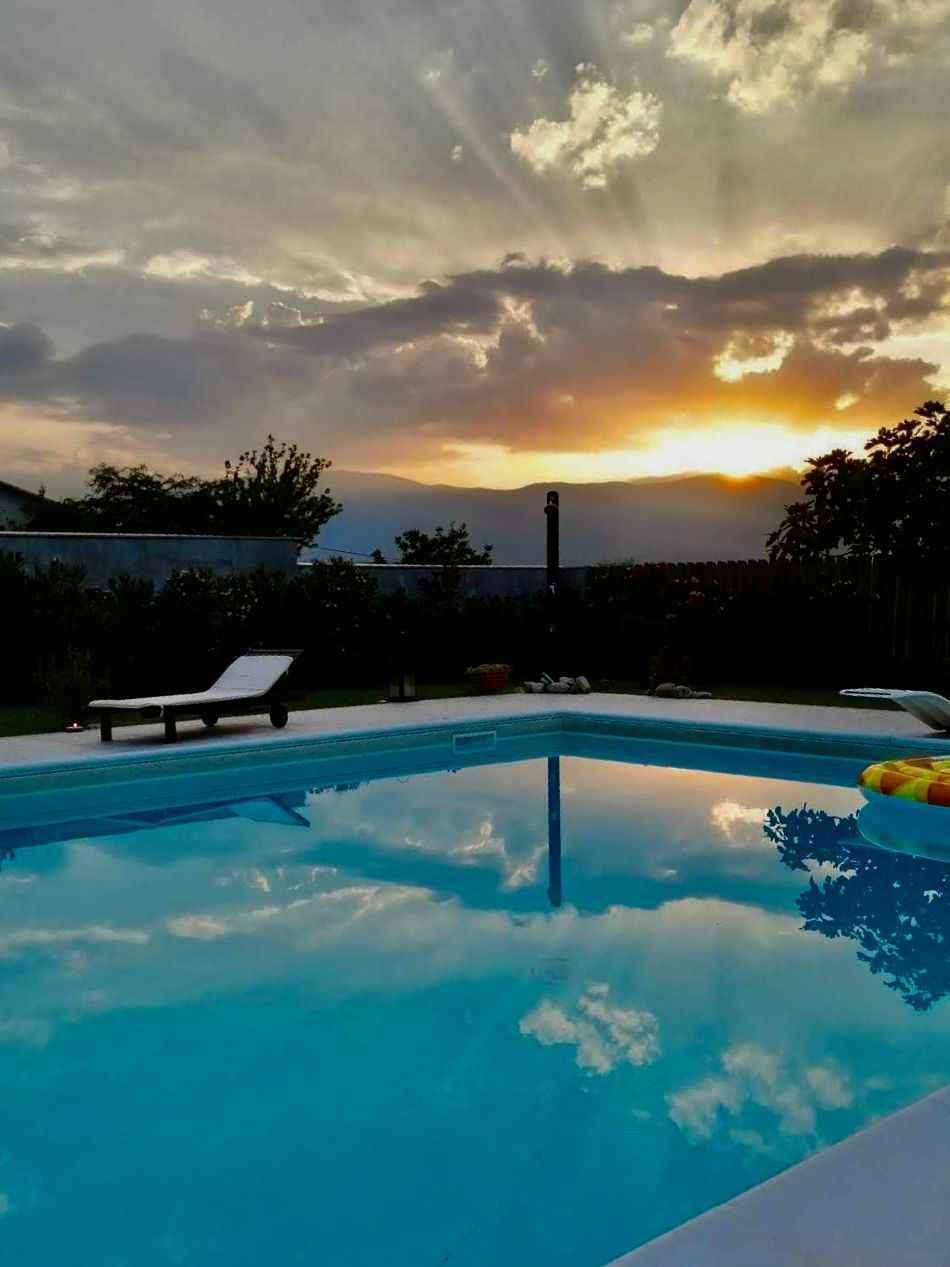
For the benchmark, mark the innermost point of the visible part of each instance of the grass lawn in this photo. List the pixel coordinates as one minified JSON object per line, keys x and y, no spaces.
{"x":36,"y":719}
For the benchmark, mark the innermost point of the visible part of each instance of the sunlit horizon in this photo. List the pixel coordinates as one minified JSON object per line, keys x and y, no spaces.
{"x":737,"y":451}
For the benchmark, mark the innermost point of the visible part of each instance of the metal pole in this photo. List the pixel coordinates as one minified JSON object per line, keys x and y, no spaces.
{"x":554,"y":831}
{"x":552,"y":514}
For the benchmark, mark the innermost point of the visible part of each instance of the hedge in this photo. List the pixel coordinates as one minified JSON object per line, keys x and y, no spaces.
{"x":770,"y":624}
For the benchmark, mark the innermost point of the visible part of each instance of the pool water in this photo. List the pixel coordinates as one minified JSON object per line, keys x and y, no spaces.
{"x":534,"y":1013}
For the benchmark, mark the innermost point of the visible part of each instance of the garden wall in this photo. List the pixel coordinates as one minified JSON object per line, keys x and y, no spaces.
{"x":481,"y":581}
{"x":103,"y":556}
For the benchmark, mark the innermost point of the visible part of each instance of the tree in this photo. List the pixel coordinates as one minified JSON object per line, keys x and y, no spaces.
{"x":445,"y":547}
{"x":274,"y":491}
{"x":128,"y":499}
{"x":893,"y":504}
{"x":894,"y":906}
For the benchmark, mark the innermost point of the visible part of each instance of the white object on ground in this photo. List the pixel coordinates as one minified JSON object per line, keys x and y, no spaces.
{"x":933,"y":710}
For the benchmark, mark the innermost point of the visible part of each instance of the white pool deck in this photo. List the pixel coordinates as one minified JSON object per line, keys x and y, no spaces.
{"x":880,"y":1198}
{"x":890,"y":726}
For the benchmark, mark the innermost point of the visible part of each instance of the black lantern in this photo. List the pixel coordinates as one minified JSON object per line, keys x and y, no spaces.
{"x":402,"y":685}
{"x":402,"y":678}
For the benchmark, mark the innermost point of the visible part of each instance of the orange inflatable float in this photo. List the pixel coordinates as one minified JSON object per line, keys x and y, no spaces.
{"x":925,"y":780}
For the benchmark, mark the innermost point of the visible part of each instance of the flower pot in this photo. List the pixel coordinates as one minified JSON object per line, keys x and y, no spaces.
{"x":489,"y":683}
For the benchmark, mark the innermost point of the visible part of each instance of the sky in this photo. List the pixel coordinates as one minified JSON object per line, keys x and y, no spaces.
{"x":470,"y":241}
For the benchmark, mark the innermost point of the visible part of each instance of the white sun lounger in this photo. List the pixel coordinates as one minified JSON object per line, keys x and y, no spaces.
{"x":933,"y":710}
{"x":247,"y":683}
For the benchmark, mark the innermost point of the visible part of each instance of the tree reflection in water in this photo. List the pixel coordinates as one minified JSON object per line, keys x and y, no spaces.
{"x":893,"y":905}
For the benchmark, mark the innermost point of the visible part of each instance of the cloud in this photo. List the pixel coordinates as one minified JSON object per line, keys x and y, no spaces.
{"x":24,"y":348}
{"x":206,"y":159}
{"x":755,"y":1079}
{"x":741,"y":824}
{"x":513,"y":357}
{"x":770,"y":53}
{"x":45,"y":447}
{"x":184,"y":266}
{"x":30,"y":247}
{"x":276,"y":316}
{"x":605,"y":130}
{"x":12,"y":944}
{"x":639,"y":33}
{"x":604,"y":1035}
{"x":199,"y":927}
{"x":753,"y":354}
{"x":25,"y":1033}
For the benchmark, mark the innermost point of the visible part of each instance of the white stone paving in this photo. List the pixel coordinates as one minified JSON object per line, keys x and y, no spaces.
{"x":878,"y":1199}
{"x":886,"y":726}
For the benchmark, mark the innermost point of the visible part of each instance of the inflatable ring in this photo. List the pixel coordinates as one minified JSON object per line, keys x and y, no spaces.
{"x":925,"y":780}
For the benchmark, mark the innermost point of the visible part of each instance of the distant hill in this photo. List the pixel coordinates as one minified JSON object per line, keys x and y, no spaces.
{"x":688,"y":519}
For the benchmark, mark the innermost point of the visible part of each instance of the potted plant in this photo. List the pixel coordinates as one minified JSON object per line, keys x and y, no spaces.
{"x":489,"y":679}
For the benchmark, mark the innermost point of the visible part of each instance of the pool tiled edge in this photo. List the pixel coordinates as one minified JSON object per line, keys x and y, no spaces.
{"x":138,"y":753}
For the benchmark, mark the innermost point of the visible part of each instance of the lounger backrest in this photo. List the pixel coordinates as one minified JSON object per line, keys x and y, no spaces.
{"x":253,"y":674}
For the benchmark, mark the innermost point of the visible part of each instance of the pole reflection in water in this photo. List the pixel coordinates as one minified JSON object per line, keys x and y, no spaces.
{"x":554,"y":830}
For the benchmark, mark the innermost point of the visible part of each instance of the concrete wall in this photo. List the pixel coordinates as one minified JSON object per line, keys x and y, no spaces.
{"x":12,"y":501}
{"x":476,"y":582}
{"x":154,"y":558}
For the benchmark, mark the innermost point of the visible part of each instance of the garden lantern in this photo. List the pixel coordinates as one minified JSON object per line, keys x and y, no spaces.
{"x":402,"y":685}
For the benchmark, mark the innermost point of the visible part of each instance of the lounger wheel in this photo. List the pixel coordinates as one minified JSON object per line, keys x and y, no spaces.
{"x":209,"y":716}
{"x":279,"y":715}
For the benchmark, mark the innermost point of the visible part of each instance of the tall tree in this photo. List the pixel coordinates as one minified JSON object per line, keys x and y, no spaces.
{"x":274,"y":491}
{"x":128,"y":499}
{"x":892,"y":504}
{"x":445,"y":547}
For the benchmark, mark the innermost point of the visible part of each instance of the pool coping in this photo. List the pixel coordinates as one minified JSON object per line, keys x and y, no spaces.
{"x":877,"y":1199}
{"x":791,"y":728}
{"x":900,"y":1163}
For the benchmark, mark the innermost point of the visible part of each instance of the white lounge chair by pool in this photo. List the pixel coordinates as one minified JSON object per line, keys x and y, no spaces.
{"x":246,"y":684}
{"x":933,"y":710}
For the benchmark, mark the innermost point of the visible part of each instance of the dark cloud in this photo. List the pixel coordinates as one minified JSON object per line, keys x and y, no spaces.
{"x":25,"y":351}
{"x":438,"y":310}
{"x":533,"y":355}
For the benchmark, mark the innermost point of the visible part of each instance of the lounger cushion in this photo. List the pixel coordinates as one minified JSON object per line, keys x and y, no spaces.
{"x":249,"y":677}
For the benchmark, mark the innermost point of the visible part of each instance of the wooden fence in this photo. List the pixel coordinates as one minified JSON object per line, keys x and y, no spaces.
{"x":898,"y":621}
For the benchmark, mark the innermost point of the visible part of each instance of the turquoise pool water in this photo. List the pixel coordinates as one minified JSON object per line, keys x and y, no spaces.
{"x":394,"y":1022}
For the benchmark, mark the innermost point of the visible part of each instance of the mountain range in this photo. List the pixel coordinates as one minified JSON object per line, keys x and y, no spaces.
{"x":694,"y":518}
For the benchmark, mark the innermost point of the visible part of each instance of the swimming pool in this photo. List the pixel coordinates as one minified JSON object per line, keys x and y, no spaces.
{"x":535,"y":1012}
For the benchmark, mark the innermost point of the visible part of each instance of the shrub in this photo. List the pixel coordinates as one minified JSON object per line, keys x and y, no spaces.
{"x":776,"y":624}
{"x":70,"y":683}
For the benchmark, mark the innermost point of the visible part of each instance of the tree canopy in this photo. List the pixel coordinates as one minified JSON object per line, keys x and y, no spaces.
{"x":892,"y":504}
{"x":892,"y":905}
{"x":445,"y":547}
{"x":271,"y":491}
